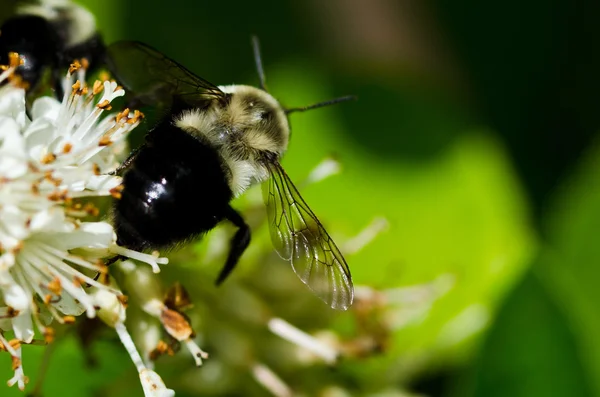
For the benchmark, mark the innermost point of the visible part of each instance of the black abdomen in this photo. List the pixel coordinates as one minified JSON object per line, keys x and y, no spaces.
{"x":174,"y":190}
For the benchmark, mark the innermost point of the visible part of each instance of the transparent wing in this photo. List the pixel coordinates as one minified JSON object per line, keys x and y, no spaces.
{"x":155,"y":78}
{"x":299,"y":238}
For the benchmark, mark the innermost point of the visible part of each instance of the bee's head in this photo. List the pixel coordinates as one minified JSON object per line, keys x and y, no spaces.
{"x":258,"y":118}
{"x":252,"y":122}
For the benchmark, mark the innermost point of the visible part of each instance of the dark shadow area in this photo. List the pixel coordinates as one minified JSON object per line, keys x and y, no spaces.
{"x":534,"y":70}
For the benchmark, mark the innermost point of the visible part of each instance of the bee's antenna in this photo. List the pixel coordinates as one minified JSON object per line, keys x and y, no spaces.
{"x":259,"y":65}
{"x":321,"y":104}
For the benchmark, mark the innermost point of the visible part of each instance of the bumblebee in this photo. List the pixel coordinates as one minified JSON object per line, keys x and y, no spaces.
{"x":213,"y":143}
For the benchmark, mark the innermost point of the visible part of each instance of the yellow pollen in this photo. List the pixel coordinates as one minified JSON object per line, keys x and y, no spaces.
{"x":123,"y":299}
{"x":11,"y":312}
{"x":48,"y":158}
{"x":96,"y":169}
{"x":137,"y":116}
{"x":78,"y":282}
{"x":85,"y":63}
{"x":16,"y":362}
{"x":122,"y":114}
{"x":105,"y":141}
{"x":91,"y":209}
{"x":49,"y":335}
{"x":67,"y":148}
{"x":104,"y":278}
{"x":97,"y":87}
{"x":161,"y":348}
{"x":14,"y":60}
{"x":76,"y":65}
{"x":14,"y":343}
{"x":116,"y":192}
{"x":103,"y":271}
{"x":101,"y":267}
{"x":104,"y":76}
{"x":17,"y":248}
{"x":58,"y":196}
{"x":75,"y":87}
{"x":54,"y":286}
{"x":104,"y":105}
{"x":17,"y":81}
{"x":68,"y":319}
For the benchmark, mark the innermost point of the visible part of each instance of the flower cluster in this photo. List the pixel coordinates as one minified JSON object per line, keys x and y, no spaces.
{"x":55,"y":157}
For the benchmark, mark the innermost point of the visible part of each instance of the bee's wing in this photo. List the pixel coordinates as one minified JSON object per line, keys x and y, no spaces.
{"x":156,"y":79}
{"x":300,"y":238}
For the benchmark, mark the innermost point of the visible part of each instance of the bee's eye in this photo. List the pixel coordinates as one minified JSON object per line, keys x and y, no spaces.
{"x":265,"y":115}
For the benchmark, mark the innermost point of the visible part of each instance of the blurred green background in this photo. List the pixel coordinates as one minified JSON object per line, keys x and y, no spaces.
{"x":475,"y":136}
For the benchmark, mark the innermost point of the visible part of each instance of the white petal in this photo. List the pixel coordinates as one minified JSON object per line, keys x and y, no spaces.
{"x":12,"y":104}
{"x":103,"y":182}
{"x":153,"y":385}
{"x":38,"y":136}
{"x":14,"y":222}
{"x":45,"y":107}
{"x":89,"y":234}
{"x":19,"y":378}
{"x":68,"y":305}
{"x":7,"y":260}
{"x":23,"y":326}
{"x":52,"y":220}
{"x":16,"y":297}
{"x":11,"y":167}
{"x":12,"y":149}
{"x":111,"y":311}
{"x":287,"y":331}
{"x":10,"y":135}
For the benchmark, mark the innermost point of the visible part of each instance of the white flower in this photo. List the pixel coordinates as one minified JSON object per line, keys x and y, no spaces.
{"x":50,"y":163}
{"x":151,"y":382}
{"x":147,"y":290}
{"x":300,"y":338}
{"x":270,"y":381}
{"x":153,"y":385}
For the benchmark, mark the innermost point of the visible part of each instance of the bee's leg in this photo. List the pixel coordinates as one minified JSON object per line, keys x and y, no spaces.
{"x":239,"y":243}
{"x":107,"y":263}
{"x":125,"y":164}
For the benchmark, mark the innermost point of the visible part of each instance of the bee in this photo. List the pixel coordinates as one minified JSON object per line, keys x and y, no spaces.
{"x":50,"y":35}
{"x":213,"y":143}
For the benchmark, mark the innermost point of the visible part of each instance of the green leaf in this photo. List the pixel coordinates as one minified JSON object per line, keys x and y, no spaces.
{"x":572,"y":259}
{"x":68,"y":371}
{"x":531,"y":349}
